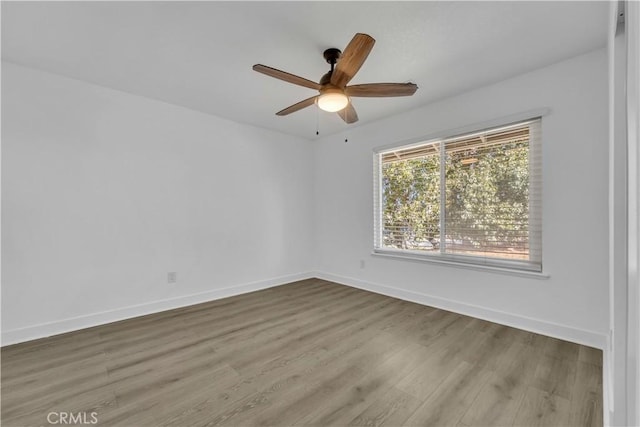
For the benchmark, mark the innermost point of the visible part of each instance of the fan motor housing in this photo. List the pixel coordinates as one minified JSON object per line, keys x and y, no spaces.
{"x":325,"y":79}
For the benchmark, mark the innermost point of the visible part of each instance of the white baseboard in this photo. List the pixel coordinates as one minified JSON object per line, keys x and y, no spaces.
{"x":567,"y":333}
{"x":75,"y":323}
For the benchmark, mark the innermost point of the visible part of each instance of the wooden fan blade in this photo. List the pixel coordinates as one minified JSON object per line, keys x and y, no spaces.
{"x":382,"y":89}
{"x":348,"y":114}
{"x":287,"y":77}
{"x":352,"y":59}
{"x":299,"y":106}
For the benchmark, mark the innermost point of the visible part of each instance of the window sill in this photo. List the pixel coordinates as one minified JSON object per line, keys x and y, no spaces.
{"x":459,"y":264}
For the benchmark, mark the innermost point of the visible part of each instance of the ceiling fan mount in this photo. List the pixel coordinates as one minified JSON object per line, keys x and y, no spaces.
{"x":332,"y":55}
{"x":334,"y":94}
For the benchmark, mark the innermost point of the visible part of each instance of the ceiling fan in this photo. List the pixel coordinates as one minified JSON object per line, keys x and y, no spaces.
{"x":334,"y":93}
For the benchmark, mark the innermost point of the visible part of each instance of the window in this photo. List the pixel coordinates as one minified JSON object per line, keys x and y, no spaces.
{"x":473,"y":198}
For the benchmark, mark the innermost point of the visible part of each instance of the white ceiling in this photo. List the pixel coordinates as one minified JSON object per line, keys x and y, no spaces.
{"x":199,"y":54}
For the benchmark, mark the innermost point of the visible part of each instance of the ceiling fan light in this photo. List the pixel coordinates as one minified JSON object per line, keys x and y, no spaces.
{"x":332,"y":100}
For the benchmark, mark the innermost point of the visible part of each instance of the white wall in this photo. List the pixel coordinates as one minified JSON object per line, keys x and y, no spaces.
{"x":572,"y":303}
{"x":105,"y":192}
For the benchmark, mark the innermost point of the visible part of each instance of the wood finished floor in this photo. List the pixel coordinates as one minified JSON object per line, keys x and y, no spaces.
{"x":307,"y":353}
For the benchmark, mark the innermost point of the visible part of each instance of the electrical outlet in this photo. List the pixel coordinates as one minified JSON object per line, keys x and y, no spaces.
{"x":172,"y":277}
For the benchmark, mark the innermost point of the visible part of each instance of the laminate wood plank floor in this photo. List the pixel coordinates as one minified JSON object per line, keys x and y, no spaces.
{"x":307,"y":353}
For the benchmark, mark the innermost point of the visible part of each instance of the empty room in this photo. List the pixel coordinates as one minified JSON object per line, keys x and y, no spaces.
{"x":320,"y":213}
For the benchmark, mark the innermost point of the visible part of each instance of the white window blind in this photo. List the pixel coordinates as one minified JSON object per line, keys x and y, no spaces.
{"x":474,"y":198}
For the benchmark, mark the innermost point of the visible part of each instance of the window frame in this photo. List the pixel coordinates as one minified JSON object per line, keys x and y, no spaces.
{"x":499,"y":265}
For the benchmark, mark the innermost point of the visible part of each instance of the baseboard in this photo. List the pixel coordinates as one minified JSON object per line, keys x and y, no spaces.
{"x":567,"y":333}
{"x":95,"y":319}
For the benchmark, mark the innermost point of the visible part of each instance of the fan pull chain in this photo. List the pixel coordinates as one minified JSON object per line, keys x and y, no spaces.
{"x":317,"y":121}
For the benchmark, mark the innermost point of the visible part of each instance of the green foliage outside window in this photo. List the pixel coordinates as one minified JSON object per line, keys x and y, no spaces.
{"x":486,"y":201}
